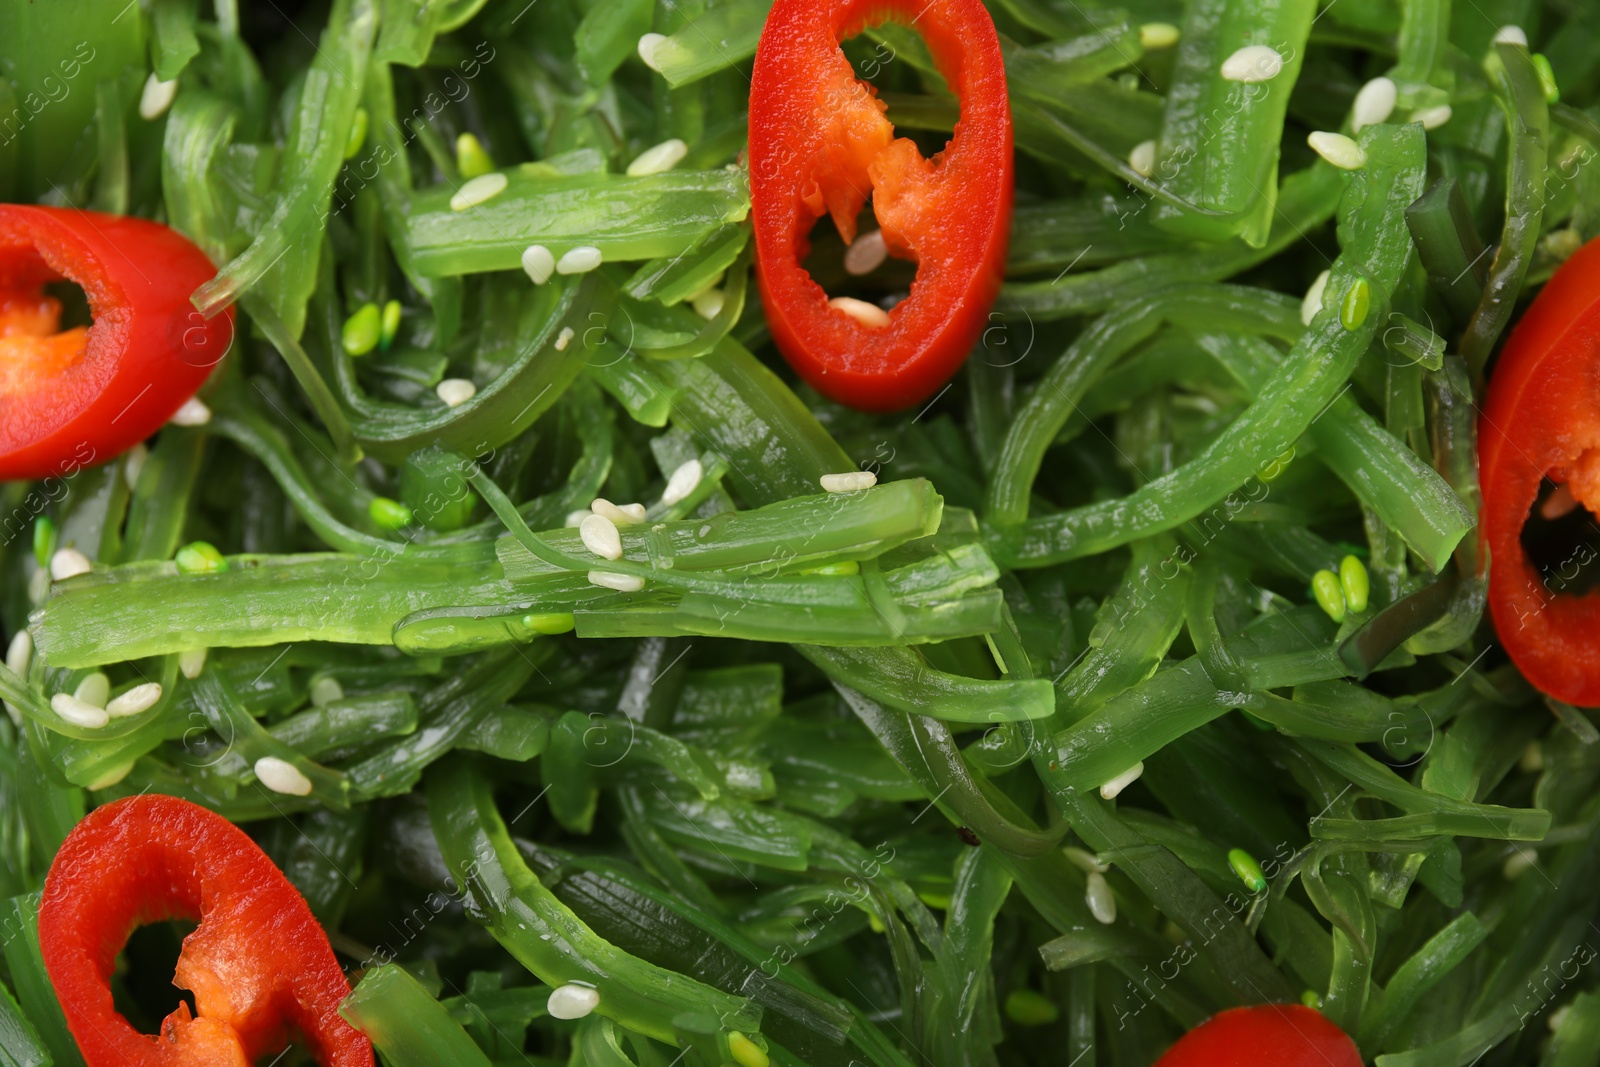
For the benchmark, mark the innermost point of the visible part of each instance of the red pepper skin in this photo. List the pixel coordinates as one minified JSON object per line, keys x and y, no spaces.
{"x":819,"y":142}
{"x":259,"y":964}
{"x":1541,"y":417}
{"x":1267,"y":1035}
{"x":147,"y":352}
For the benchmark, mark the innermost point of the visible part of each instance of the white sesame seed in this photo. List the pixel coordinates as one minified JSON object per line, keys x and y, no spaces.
{"x":1253,"y":63}
{"x":1337,"y":149}
{"x":1374,"y":103}
{"x":621,"y":514}
{"x":600,"y":536}
{"x":658,"y":158}
{"x":866,"y":253}
{"x":456,"y":391}
{"x":572,"y":1001}
{"x":20,"y":652}
{"x":564,"y":338}
{"x":68,"y":563}
{"x":1122,"y":781}
{"x":77,"y":712}
{"x":133,"y":463}
{"x":1511,"y":35}
{"x":1562,"y":244}
{"x":95,"y":689}
{"x":538,"y":263}
{"x":1313,"y":298}
{"x":1558,"y":1018}
{"x":708,"y":304}
{"x":281,"y":776}
{"x":622,"y":583}
{"x":647,"y":49}
{"x":579,"y":260}
{"x":848,"y":482}
{"x":1102,"y":902}
{"x":139,"y":698}
{"x":681,"y":484}
{"x":111,"y":777}
{"x":156,"y":97}
{"x":1519,"y":861}
{"x":1154,"y":35}
{"x":39,"y":585}
{"x":483,"y":187}
{"x":325,"y":691}
{"x":1143,"y":158}
{"x":1433,"y":117}
{"x":1084,"y":861}
{"x":1532,"y":759}
{"x":193,"y":413}
{"x":191,"y":661}
{"x":575,"y":518}
{"x":866,"y":314}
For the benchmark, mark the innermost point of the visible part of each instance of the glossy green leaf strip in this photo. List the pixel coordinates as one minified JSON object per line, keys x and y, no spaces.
{"x":1528,"y":117}
{"x":543,"y":934}
{"x":673,"y":279}
{"x":1410,"y":496}
{"x":406,"y":1025}
{"x":289,"y":237}
{"x":20,"y":1044}
{"x":1213,"y":923}
{"x":625,"y":218}
{"x":1377,"y":248}
{"x":1220,"y":137}
{"x":448,"y":712}
{"x":1092,"y":353}
{"x":542,"y":368}
{"x":246,"y":741}
{"x":899,"y":678}
{"x":724,"y":35}
{"x":632,"y":913}
{"x":1464,"y":818}
{"x":925,"y":749}
{"x":734,"y":406}
{"x":1423,"y":970}
{"x":1448,"y":245}
{"x":1306,"y":202}
{"x":793,"y":535}
{"x":348,"y":721}
{"x":19,"y":920}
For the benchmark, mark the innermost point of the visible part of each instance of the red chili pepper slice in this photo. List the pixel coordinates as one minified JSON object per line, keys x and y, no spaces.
{"x":1541,"y":419}
{"x":259,"y":964}
{"x":1267,"y":1035}
{"x":820,"y":142}
{"x":73,"y":398}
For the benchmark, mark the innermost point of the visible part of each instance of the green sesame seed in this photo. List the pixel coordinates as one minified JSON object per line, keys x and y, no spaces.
{"x":848,"y":566}
{"x":1248,"y":870}
{"x":1357,"y":302}
{"x":471,"y":159}
{"x":1329,"y":594}
{"x":391,"y":325}
{"x":746,"y":1053}
{"x":390,"y":514}
{"x":1027,"y":1007}
{"x":1547,"y":78}
{"x":360,"y":333}
{"x":1311,"y":1000}
{"x":200,"y":557}
{"x":44,"y":539}
{"x":559,"y":622}
{"x":1354,"y":583}
{"x":358,"y":133}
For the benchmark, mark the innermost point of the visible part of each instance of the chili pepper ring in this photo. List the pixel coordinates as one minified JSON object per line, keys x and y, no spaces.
{"x":820,"y":142}
{"x":259,"y":965}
